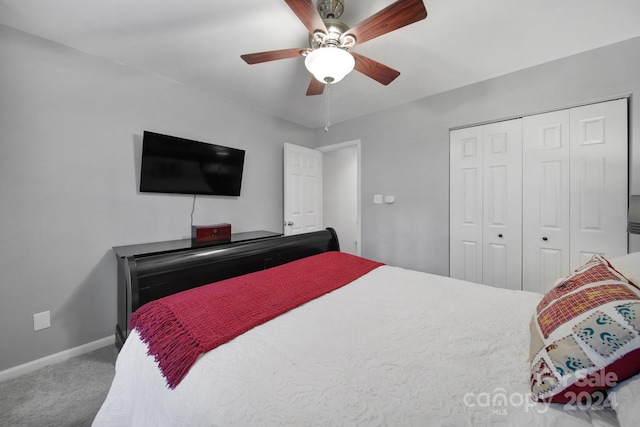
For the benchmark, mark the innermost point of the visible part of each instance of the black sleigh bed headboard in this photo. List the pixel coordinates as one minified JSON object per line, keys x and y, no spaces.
{"x":151,"y":277}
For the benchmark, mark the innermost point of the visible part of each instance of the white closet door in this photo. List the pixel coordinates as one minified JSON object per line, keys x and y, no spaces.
{"x":545,"y":203}
{"x":465,"y":202}
{"x":502,"y":204}
{"x":599,"y":169}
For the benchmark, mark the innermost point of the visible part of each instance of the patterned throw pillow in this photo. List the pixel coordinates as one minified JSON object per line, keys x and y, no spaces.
{"x":585,"y":334}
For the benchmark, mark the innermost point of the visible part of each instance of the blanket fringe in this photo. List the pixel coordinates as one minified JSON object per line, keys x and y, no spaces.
{"x":173,"y":347}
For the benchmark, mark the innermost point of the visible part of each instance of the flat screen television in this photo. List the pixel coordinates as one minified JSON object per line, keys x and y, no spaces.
{"x":177,"y":165}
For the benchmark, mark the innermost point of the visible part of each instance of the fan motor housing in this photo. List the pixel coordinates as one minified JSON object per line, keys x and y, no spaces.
{"x":335,"y":29}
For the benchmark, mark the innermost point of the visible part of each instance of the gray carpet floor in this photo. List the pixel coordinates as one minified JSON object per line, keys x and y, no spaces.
{"x":67,"y":394}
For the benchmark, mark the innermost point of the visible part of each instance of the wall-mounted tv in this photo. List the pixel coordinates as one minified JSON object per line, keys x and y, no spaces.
{"x":177,"y":165}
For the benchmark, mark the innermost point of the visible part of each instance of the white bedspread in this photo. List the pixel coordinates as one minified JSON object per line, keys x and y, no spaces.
{"x":395,"y":347}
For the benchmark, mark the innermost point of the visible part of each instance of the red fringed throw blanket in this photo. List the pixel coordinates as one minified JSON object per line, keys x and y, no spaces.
{"x":181,"y":327}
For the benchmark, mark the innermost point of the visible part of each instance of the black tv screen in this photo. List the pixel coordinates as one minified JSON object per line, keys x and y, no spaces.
{"x":177,"y":165}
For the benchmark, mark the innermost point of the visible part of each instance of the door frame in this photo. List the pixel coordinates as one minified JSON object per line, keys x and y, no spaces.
{"x":339,"y":146}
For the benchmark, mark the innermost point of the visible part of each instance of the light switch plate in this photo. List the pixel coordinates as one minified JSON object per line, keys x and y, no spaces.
{"x":41,"y":320}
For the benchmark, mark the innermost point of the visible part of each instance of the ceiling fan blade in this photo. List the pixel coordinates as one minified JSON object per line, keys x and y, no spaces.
{"x":316,"y":87}
{"x":392,"y":17}
{"x":308,"y":14}
{"x":377,"y":71}
{"x":272,"y":55}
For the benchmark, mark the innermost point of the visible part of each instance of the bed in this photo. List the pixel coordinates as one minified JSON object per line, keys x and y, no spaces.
{"x":390,"y":346}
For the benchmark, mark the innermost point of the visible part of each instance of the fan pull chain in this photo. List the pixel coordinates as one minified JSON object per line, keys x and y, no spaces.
{"x":326,"y":97}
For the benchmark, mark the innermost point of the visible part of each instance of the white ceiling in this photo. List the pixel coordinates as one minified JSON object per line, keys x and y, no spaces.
{"x":199,"y":43}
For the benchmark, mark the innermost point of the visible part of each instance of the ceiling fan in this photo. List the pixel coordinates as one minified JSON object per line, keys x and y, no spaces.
{"x":329,"y":40}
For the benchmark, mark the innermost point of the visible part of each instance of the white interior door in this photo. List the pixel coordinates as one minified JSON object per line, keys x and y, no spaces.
{"x":545,"y":203}
{"x":302,"y":189}
{"x":465,"y":199}
{"x":599,"y":180}
{"x":502,"y":204}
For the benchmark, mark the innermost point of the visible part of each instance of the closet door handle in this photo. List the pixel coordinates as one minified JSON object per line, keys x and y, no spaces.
{"x":500,"y":235}
{"x":545,"y":239}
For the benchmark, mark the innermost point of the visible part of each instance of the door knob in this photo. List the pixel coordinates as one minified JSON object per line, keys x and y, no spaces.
{"x":289,"y":223}
{"x":500,"y":235}
{"x":545,"y":239}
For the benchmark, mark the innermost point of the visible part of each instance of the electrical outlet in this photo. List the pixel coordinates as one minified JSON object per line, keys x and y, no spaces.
{"x":41,"y":320}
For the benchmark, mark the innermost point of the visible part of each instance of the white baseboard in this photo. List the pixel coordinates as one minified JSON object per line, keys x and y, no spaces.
{"x":34,"y":365}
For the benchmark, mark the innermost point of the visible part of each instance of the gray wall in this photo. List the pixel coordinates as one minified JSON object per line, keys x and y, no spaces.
{"x":70,"y":139}
{"x":405,"y":150}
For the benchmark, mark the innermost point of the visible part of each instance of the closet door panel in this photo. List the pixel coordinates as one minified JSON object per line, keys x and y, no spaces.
{"x":502,"y":204}
{"x":495,"y":267}
{"x":533,"y":199}
{"x":545,"y":203}
{"x":599,"y":180}
{"x":552,"y":266}
{"x":471,"y":251}
{"x":465,"y":202}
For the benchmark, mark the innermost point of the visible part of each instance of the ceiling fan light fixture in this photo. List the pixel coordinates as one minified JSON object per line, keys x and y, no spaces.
{"x":329,"y":64}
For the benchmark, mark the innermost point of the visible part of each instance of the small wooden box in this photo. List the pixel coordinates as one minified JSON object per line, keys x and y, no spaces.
{"x":210,"y":233}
